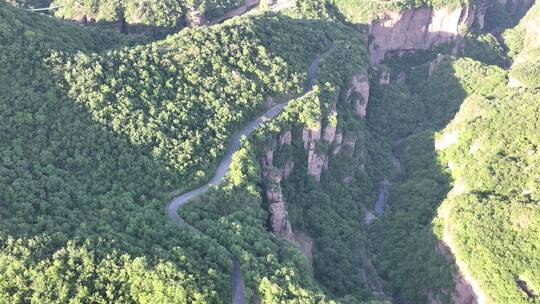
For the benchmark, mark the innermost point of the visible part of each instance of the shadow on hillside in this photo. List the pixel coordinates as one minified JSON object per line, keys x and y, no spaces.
{"x":134,"y":29}
{"x":403,"y":244}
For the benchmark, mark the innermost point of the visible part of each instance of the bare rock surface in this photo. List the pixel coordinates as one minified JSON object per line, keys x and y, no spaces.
{"x":289,"y":166}
{"x":421,"y":28}
{"x":240,"y":10}
{"x":384,"y":77}
{"x":285,"y":138}
{"x":315,"y":162}
{"x":238,"y":289}
{"x":463,"y":292}
{"x":360,"y":86}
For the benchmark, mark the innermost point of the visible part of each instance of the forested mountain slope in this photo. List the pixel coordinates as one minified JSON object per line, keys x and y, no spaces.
{"x":171,"y":14}
{"x":406,"y":171}
{"x":492,"y":216}
{"x":87,"y":169}
{"x":523,"y":42}
{"x":465,"y":144}
{"x":153,"y":18}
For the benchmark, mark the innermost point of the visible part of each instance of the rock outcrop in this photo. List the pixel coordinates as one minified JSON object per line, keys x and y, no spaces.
{"x":358,"y":93}
{"x":278,"y":5}
{"x":463,"y":292}
{"x":237,"y":11}
{"x":322,"y":143}
{"x":434,"y":65}
{"x":311,"y":137}
{"x":279,"y":219}
{"x":421,"y":28}
{"x":305,"y":243}
{"x":285,"y":138}
{"x":384,"y":77}
{"x":322,"y":140}
{"x":338,"y":140}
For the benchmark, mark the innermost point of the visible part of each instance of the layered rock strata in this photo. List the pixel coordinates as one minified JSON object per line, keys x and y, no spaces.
{"x":415,"y":29}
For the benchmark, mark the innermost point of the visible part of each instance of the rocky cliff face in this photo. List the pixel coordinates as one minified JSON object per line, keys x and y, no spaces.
{"x":311,"y":137}
{"x":321,"y":144}
{"x":464,"y":292}
{"x":358,"y":93}
{"x":279,"y":220}
{"x":240,"y":10}
{"x":434,"y":65}
{"x":421,"y":29}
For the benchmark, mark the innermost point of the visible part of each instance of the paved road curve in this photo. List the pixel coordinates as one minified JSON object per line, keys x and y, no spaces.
{"x":238,"y":291}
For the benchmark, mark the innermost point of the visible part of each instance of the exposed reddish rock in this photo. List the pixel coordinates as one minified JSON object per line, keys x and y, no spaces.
{"x":421,"y":28}
{"x":337,"y":142}
{"x":289,"y":166}
{"x":349,"y":143}
{"x":81,"y":19}
{"x":268,"y":158}
{"x":315,"y":159}
{"x":360,"y":86}
{"x":285,"y":138}
{"x":248,"y":4}
{"x":315,"y":162}
{"x":463,"y":292}
{"x":329,"y":133}
{"x":278,"y":5}
{"x":347,"y":180}
{"x":384,"y":77}
{"x":279,"y":220}
{"x":311,"y":135}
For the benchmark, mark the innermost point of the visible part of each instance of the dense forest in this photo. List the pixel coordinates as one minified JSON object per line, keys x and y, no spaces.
{"x":466,"y":175}
{"x":88,"y":169}
{"x":432,"y":183}
{"x":150,"y":17}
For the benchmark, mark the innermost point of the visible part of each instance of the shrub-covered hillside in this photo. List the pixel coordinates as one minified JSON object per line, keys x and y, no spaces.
{"x":467,"y":178}
{"x":363,"y":11}
{"x":153,"y":17}
{"x":414,"y":180}
{"x":170,"y":13}
{"x":523,"y":43}
{"x":492,"y":214}
{"x":98,"y":131}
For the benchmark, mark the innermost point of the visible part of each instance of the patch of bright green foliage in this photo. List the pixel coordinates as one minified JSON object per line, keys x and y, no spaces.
{"x":87,"y":119}
{"x":495,"y":214}
{"x":363,"y":11}
{"x":523,"y":42}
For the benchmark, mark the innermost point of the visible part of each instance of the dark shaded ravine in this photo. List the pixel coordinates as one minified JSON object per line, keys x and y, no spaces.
{"x":238,"y":288}
{"x":373,"y":281}
{"x":383,"y":193}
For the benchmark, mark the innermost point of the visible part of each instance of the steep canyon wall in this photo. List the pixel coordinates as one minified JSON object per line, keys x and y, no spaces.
{"x":398,"y":32}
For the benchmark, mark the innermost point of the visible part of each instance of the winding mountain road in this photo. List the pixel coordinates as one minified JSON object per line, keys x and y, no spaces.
{"x":238,"y":290}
